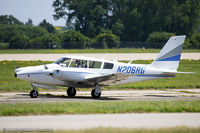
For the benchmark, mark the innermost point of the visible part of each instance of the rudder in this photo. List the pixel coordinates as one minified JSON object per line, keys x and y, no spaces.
{"x":169,"y":56}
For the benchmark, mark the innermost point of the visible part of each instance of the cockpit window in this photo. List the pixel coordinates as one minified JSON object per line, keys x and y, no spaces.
{"x":63,"y":61}
{"x":94,"y":64}
{"x":79,"y":63}
{"x":108,"y":66}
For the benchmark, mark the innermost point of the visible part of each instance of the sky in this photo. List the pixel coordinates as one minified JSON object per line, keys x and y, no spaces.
{"x":37,"y":10}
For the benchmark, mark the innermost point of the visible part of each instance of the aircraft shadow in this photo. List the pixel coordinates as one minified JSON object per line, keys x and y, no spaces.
{"x":158,"y":96}
{"x":72,"y":98}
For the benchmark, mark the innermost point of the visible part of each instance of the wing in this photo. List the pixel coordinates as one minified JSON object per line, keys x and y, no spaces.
{"x":110,"y":79}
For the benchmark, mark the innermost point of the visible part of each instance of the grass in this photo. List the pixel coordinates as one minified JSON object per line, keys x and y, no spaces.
{"x":136,"y":130}
{"x":120,"y":50}
{"x":123,"y":130}
{"x":9,"y":83}
{"x":16,"y":109}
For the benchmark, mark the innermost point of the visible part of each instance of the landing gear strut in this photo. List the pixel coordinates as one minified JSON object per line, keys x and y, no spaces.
{"x":71,"y":92}
{"x":34,"y":93}
{"x":96,"y":93}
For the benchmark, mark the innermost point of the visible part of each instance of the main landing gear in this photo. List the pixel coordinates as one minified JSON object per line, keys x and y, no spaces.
{"x":71,"y":92}
{"x":34,"y":93}
{"x":95,"y":93}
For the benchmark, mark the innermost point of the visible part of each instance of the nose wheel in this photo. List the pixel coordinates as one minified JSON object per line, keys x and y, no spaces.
{"x":34,"y":94}
{"x":71,"y":92}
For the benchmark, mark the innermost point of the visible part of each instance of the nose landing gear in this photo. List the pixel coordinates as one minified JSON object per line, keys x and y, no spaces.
{"x":34,"y":93}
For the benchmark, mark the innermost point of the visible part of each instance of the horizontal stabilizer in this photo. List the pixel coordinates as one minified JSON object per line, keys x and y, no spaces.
{"x":179,"y":73}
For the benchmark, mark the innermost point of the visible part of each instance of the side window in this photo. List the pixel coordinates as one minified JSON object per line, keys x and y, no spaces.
{"x":94,"y":64}
{"x":108,"y":66}
{"x":79,"y":63}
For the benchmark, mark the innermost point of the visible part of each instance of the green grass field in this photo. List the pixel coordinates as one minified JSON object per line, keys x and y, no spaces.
{"x":9,"y":83}
{"x":137,"y":130}
{"x":54,"y":51}
{"x":15,"y":109}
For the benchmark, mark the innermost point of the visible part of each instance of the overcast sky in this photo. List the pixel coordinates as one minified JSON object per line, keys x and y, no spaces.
{"x":37,"y":10}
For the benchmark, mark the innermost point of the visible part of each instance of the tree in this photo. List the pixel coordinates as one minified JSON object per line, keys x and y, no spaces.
{"x":29,"y":22}
{"x":73,"y":39}
{"x":36,"y":43}
{"x":51,"y":41}
{"x":47,"y":41}
{"x":136,"y":19}
{"x":194,"y":42}
{"x":158,"y":39}
{"x":90,"y":16}
{"x":8,"y":31}
{"x":107,"y":40}
{"x":49,"y":27}
{"x":9,"y":19}
{"x":117,"y":27}
{"x":18,"y":42}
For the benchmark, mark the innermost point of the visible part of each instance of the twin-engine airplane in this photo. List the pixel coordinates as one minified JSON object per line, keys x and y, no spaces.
{"x":83,"y":72}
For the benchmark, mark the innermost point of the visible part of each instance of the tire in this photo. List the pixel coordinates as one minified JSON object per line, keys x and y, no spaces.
{"x":95,"y":95}
{"x":71,"y":92}
{"x":33,"y":94}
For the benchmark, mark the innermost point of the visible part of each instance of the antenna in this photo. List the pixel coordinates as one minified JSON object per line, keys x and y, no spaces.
{"x":105,"y":55}
{"x":130,"y":61}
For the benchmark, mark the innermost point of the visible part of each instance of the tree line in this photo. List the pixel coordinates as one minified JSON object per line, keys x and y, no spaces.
{"x":131,"y":20}
{"x":16,"y":35}
{"x":107,"y":24}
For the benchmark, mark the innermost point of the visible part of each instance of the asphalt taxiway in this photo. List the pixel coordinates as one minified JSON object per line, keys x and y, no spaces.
{"x":130,"y":95}
{"x":111,"y":56}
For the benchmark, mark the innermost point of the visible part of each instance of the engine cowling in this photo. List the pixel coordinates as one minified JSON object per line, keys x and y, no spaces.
{"x":67,"y":75}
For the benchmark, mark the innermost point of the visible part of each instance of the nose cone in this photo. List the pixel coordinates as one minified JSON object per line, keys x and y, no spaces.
{"x":20,"y":72}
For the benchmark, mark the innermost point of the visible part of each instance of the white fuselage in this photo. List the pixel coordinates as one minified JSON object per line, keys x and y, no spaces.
{"x":59,"y":75}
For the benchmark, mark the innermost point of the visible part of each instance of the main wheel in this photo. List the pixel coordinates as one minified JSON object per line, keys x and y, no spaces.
{"x":95,"y":95}
{"x":33,"y":94}
{"x":71,"y":92}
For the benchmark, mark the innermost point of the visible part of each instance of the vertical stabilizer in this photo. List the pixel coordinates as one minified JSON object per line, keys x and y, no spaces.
{"x":170,"y":55}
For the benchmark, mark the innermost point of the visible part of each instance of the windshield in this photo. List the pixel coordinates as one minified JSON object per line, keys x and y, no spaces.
{"x":63,"y":61}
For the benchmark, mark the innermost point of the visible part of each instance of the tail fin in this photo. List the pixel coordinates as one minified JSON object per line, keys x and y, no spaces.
{"x":170,"y":55}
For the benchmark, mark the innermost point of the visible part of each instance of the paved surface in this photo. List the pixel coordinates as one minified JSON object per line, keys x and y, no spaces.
{"x":117,"y":56}
{"x":134,"y":120}
{"x":131,"y":95}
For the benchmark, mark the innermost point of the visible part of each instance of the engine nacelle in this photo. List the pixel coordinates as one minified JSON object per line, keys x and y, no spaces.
{"x":68,"y":76}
